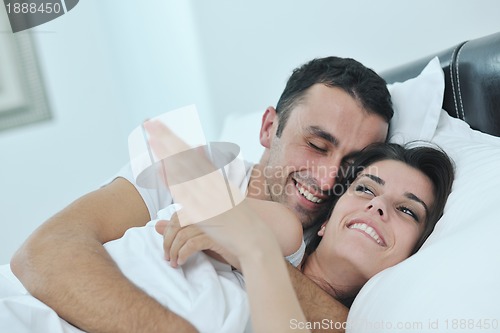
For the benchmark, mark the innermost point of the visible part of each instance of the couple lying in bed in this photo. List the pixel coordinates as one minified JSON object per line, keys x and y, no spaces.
{"x":392,"y":196}
{"x":330,"y":109}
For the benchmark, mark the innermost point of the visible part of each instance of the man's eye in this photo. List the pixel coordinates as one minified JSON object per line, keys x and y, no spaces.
{"x":347,"y":162}
{"x":363,"y":189}
{"x":313,"y":146}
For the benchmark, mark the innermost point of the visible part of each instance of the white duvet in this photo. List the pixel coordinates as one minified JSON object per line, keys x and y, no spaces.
{"x":204,"y":291}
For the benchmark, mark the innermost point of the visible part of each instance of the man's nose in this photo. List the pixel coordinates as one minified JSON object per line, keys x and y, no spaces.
{"x":326,"y":174}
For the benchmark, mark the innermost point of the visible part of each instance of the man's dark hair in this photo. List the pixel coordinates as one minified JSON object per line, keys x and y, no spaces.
{"x":362,"y":83}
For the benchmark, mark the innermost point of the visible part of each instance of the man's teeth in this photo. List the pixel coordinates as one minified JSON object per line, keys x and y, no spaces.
{"x":308,"y":195}
{"x":367,"y":230}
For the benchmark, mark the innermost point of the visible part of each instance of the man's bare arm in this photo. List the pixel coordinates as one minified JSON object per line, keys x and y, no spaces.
{"x":316,"y":303}
{"x":65,"y":266}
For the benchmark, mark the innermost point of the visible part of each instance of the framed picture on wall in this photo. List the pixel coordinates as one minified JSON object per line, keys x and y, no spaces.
{"x":22,"y":93}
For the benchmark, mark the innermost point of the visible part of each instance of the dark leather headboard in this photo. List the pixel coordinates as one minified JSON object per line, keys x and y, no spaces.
{"x":472,"y":81}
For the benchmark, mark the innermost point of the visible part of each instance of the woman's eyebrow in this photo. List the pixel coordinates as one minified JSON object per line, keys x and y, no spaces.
{"x":413,"y":197}
{"x":376,"y":179}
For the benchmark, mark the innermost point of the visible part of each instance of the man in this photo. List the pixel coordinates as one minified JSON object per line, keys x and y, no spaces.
{"x":330,"y":108}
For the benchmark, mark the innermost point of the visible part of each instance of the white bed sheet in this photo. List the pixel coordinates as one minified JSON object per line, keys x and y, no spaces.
{"x":206,"y":292}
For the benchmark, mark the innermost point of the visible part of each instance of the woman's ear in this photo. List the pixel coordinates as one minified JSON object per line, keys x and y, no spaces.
{"x":321,"y":231}
{"x":268,"y":127}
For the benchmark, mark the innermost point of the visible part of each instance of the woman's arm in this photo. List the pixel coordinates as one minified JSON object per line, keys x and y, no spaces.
{"x":255,"y":250}
{"x":282,"y":222}
{"x":273,"y":301}
{"x":180,"y":243}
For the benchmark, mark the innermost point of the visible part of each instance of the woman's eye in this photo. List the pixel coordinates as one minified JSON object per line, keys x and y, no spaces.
{"x":363,"y":189}
{"x":409,"y":212}
{"x":313,"y":146}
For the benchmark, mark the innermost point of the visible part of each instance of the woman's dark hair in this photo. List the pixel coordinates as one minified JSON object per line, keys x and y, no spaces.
{"x":362,"y":83}
{"x":431,"y":161}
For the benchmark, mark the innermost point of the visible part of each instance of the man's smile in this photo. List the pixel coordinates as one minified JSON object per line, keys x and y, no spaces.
{"x":308,"y":195}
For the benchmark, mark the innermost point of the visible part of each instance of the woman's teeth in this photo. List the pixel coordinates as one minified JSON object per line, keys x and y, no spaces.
{"x":367,"y":230}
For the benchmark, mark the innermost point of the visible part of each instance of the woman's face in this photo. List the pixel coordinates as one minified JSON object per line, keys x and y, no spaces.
{"x":378,"y":221}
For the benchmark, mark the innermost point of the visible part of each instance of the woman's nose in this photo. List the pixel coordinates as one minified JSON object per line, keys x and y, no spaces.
{"x":379,"y":210}
{"x":377,"y":206}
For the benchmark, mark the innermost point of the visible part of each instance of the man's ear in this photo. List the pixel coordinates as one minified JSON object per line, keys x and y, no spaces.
{"x":268,"y":127}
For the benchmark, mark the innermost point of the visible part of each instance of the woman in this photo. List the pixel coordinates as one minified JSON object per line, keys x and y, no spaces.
{"x":394,"y":196}
{"x":393,"y":200}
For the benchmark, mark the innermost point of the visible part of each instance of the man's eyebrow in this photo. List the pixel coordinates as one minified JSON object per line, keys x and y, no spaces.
{"x":413,"y":197}
{"x":318,"y":131}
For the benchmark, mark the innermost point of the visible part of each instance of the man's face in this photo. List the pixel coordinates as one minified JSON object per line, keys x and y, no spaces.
{"x":302,"y":165}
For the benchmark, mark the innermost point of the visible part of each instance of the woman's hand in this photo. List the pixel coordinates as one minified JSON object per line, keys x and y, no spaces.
{"x":230,"y":237}
{"x":179,"y":243}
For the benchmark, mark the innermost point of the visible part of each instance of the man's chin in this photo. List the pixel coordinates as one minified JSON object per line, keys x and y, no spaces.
{"x":308,"y":217}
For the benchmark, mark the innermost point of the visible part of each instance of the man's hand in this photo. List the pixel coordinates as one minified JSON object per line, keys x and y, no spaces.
{"x":179,"y":243}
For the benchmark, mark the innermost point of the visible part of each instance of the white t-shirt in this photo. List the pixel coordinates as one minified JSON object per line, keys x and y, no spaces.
{"x":159,"y":198}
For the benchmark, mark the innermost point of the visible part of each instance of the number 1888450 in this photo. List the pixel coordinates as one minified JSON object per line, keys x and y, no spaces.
{"x":32,"y":8}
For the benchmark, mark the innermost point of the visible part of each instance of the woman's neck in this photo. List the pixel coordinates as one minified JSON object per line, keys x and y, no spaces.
{"x":337,"y":279}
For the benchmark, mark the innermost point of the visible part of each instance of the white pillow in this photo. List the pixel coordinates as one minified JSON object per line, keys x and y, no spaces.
{"x":417,"y":103}
{"x":244,"y":129}
{"x":451,"y":284}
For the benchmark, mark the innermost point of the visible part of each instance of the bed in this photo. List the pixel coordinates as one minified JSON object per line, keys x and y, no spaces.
{"x":450,"y":285}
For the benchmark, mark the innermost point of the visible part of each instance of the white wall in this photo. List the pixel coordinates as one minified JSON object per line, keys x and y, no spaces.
{"x":47,"y":165}
{"x":109,"y":64}
{"x":249,"y":48}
